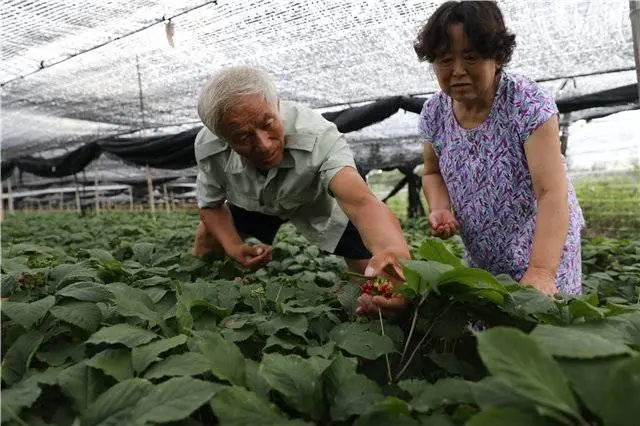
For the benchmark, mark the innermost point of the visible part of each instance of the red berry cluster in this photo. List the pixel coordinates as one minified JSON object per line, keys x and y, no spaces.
{"x":377,"y":287}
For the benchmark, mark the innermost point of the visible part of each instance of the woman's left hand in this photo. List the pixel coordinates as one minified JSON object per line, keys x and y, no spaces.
{"x":542,"y":279}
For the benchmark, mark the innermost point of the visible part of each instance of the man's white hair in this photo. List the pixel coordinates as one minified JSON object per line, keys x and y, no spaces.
{"x":222,"y":90}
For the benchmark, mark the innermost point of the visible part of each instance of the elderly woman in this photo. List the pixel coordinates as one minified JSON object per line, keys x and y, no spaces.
{"x":492,"y":163}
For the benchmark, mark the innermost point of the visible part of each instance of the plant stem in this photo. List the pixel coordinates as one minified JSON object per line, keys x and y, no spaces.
{"x":278,"y":295}
{"x":413,"y":327}
{"x":421,"y":342}
{"x":386,"y":356}
{"x":356,"y":275}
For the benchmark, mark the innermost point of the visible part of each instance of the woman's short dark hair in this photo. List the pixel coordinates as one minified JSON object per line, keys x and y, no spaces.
{"x":482,"y":22}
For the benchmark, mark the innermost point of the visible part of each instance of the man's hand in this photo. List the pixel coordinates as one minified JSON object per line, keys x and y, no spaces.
{"x":542,"y":279}
{"x":251,"y":257}
{"x":443,"y":223}
{"x":387,"y":265}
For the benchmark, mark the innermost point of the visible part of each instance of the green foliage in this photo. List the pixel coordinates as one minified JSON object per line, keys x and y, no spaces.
{"x":109,"y":321}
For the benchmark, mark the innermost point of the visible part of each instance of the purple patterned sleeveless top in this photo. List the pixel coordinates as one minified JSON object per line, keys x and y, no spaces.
{"x":486,"y":173}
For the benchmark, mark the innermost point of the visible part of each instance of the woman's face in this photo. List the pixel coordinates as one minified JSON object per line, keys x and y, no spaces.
{"x":462,"y":73}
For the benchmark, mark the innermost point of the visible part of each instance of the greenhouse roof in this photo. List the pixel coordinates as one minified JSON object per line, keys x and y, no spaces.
{"x":74,"y":71}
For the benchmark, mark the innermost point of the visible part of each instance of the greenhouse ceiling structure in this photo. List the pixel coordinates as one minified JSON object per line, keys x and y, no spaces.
{"x":78,"y":71}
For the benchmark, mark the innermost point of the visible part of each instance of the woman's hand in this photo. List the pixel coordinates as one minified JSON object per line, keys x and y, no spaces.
{"x":542,"y":279}
{"x":443,"y":223}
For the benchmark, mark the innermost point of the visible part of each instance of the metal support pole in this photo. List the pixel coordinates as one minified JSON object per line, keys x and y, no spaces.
{"x":565,"y":122}
{"x":96,"y":195}
{"x":166,"y":198}
{"x":78,"y":206}
{"x":1,"y":203}
{"x":10,"y":192}
{"x":131,"y":198}
{"x":152,"y":201}
{"x":634,"y":15}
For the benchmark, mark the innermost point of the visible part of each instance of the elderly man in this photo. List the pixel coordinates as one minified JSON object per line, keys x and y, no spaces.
{"x":263,"y":161}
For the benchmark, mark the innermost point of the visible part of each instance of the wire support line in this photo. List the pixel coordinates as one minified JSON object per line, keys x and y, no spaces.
{"x":44,"y":66}
{"x":541,"y":80}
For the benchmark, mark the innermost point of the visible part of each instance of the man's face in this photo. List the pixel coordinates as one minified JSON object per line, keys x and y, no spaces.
{"x":255,"y":130}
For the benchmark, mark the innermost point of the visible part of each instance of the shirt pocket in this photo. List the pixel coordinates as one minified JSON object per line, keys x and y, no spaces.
{"x":243,"y":200}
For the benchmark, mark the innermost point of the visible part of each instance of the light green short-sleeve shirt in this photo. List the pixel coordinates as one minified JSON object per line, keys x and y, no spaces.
{"x":297,"y":189}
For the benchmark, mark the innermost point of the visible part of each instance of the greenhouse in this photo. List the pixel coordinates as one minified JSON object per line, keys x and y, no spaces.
{"x":112,"y":313}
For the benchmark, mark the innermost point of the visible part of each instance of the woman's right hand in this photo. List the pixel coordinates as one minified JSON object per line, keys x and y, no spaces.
{"x":443,"y":223}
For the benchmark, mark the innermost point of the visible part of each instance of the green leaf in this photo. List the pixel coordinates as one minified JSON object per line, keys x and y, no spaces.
{"x":82,"y":384}
{"x":588,"y":379}
{"x":356,"y":396}
{"x":406,"y":291}
{"x":27,"y":314}
{"x":512,"y":355}
{"x":353,"y":339}
{"x":187,"y":364}
{"x":85,"y":315}
{"x":65,"y":274}
{"x":471,"y":277}
{"x":255,"y":382}
{"x":527,"y":301}
{"x":152,"y":281}
{"x":496,"y":392}
{"x":349,"y":393}
{"x":580,"y":308}
{"x":506,"y":417}
{"x":174,"y":400}
{"x":384,"y":419}
{"x":286,"y":344}
{"x":99,"y":255}
{"x":436,"y":419}
{"x":348,"y":298}
{"x":155,"y":293}
{"x":429,"y":272}
{"x":183,"y":316}
{"x":114,"y":362}
{"x":295,"y":378}
{"x":60,"y":354}
{"x":436,"y":251}
{"x":86,"y":291}
{"x":427,"y":397}
{"x":126,"y":334}
{"x":134,"y":302}
{"x":143,"y":356}
{"x":238,"y":335}
{"x":143,"y":253}
{"x":570,"y":343}
{"x":296,"y":324}
{"x":225,"y":360}
{"x":15,"y":265}
{"x":394,"y":406}
{"x":339,"y":371}
{"x":324,"y":351}
{"x":14,"y":399}
{"x":624,"y":328}
{"x":48,"y":376}
{"x":18,"y":358}
{"x":455,"y":366}
{"x":621,"y":394}
{"x":236,"y":406}
{"x":115,"y":406}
